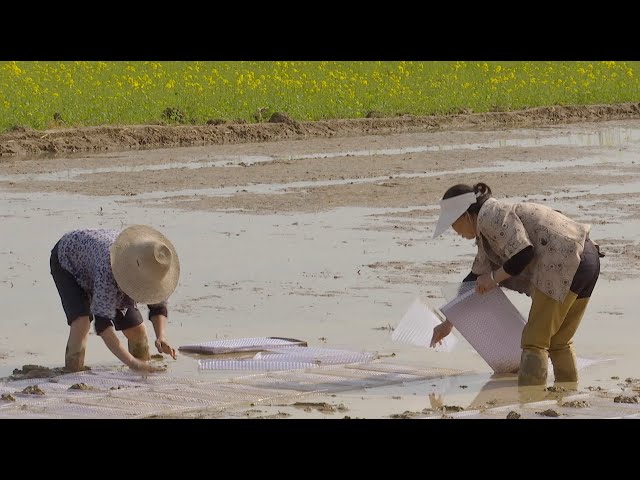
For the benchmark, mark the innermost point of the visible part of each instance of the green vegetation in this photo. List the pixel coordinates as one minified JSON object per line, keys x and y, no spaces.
{"x":43,"y":95}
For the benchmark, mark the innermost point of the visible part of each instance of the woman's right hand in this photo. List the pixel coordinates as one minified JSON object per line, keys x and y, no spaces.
{"x":142,"y":366}
{"x":441,"y":331}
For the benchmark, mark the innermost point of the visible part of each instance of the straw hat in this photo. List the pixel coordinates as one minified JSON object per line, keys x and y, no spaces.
{"x":451,"y":209}
{"x":145,"y":264}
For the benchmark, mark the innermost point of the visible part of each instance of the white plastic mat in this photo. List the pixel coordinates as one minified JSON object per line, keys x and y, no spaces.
{"x":235,"y":345}
{"x":416,"y":328}
{"x":493,"y":327}
{"x":289,"y":358}
{"x":491,"y":324}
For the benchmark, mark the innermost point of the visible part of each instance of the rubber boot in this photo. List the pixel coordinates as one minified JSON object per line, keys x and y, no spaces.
{"x":564,"y":364}
{"x":533,"y":367}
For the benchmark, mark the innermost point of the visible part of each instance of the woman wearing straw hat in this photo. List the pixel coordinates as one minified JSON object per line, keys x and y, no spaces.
{"x":538,"y":251}
{"x":102,"y":274}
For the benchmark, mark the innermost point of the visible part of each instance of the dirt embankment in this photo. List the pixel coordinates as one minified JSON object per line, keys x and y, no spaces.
{"x":280,"y":127}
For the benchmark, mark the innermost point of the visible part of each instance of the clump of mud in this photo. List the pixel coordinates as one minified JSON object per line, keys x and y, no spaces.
{"x":36,"y":371}
{"x":405,"y":415}
{"x":549,"y":412}
{"x":443,"y":410}
{"x":157,"y":356}
{"x":634,"y":383}
{"x":321,"y":407}
{"x":252,"y":411}
{"x":81,"y":386}
{"x":576,"y":404}
{"x":33,"y":390}
{"x":556,"y":389}
{"x":626,"y":399}
{"x":7,"y":397}
{"x":513,"y":415}
{"x":275,"y":415}
{"x":452,"y":408}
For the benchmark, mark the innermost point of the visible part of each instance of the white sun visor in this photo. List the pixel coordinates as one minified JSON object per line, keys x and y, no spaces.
{"x":451,"y":209}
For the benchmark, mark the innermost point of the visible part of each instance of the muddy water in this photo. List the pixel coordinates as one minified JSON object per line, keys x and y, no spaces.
{"x":199,"y":157}
{"x":338,"y":278}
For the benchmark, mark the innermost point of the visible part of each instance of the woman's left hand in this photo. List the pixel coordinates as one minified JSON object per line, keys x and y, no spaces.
{"x":484,"y":283}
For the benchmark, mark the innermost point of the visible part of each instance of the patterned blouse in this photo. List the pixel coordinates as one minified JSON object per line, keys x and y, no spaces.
{"x":86,"y":255}
{"x":506,"y":228}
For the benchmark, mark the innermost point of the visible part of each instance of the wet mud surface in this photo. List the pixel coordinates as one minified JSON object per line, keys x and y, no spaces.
{"x":325,"y":237}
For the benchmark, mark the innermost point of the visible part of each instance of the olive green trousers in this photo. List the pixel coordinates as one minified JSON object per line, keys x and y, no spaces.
{"x":548,"y":335}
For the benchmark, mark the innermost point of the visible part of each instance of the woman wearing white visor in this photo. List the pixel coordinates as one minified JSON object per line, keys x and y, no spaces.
{"x":535,"y":250}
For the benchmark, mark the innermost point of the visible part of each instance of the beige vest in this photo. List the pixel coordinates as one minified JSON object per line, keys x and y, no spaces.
{"x":506,"y":228}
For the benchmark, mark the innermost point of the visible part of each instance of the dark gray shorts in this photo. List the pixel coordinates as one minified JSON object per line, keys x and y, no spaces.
{"x":584,"y":281}
{"x":77,"y":303}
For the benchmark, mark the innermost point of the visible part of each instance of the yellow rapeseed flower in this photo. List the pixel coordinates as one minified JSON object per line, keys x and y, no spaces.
{"x":15,"y":69}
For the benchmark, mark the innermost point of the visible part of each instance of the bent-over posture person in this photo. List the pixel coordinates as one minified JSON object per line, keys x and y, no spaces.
{"x":535,"y":250}
{"x":100,"y":275}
